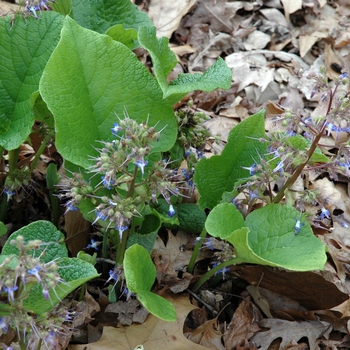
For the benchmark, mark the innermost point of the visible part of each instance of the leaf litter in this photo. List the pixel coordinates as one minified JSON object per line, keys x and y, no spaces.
{"x":267,"y":44}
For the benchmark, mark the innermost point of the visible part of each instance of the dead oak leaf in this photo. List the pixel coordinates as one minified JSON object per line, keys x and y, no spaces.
{"x":290,"y":332}
{"x":173,"y":257}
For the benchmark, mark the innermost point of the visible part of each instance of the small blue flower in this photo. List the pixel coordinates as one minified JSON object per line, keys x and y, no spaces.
{"x":253,"y":194}
{"x":171,"y":211}
{"x":141,"y":164}
{"x":9,"y":193}
{"x":10,"y":291}
{"x":222,"y":271}
{"x":35,"y":272}
{"x":208,"y":244}
{"x":94,"y":244}
{"x":46,"y":293}
{"x":325,"y":213}
{"x":343,"y":75}
{"x":70,"y":207}
{"x":298,"y":226}
{"x":121,"y":228}
{"x":107,"y":182}
{"x":344,"y":224}
{"x":252,"y":169}
{"x":3,"y":324}
{"x":114,"y":276}
{"x":116,"y":128}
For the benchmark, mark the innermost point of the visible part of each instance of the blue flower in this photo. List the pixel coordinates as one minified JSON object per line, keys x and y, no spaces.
{"x":3,"y":324}
{"x":94,"y":244}
{"x":325,"y":213}
{"x":107,"y":182}
{"x":114,"y":275}
{"x":344,"y":224}
{"x":252,"y":169}
{"x":141,"y":164}
{"x":35,"y":272}
{"x":10,"y":291}
{"x":70,"y":207}
{"x":116,"y":128}
{"x":171,"y":211}
{"x":9,"y":193}
{"x":121,"y":228}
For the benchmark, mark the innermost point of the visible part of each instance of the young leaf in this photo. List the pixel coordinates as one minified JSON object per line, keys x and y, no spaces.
{"x":140,"y":274}
{"x":3,"y":229}
{"x":223,"y":220}
{"x":218,"y":76}
{"x":270,"y":238}
{"x":218,"y":174}
{"x":46,"y":232}
{"x":74,"y":272}
{"x":100,"y":15}
{"x":163,"y":59}
{"x":139,"y":269}
{"x":23,"y":55}
{"x":128,"y":37}
{"x":157,"y":305}
{"x":88,"y":79}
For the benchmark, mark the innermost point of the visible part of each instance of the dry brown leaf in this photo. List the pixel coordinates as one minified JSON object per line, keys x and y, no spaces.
{"x":174,"y":257}
{"x":153,"y":334}
{"x":242,"y":326}
{"x":331,"y":58}
{"x":167,"y":15}
{"x":307,"y":41}
{"x":343,"y":308}
{"x":291,"y":6}
{"x":290,"y":332}
{"x":207,"y":335}
{"x":309,"y":289}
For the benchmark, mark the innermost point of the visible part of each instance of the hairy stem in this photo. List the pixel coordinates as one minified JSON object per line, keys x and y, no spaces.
{"x":196,"y":251}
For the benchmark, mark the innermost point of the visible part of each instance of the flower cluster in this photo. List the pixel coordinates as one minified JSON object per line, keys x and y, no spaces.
{"x":17,"y":275}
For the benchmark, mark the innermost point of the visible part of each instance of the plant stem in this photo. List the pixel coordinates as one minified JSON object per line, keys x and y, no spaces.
{"x":13,"y":159}
{"x":40,"y":152}
{"x":213,"y":271}
{"x":311,"y":151}
{"x":121,"y":248}
{"x":196,"y":251}
{"x":132,"y":183}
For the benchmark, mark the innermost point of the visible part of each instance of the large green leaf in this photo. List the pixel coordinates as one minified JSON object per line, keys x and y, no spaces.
{"x":100,"y":15}
{"x":88,"y":79}
{"x":270,"y":238}
{"x":218,"y":174}
{"x":25,"y":48}
{"x":52,"y":239}
{"x":74,"y":272}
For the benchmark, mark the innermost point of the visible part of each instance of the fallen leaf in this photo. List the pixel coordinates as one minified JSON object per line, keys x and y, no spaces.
{"x":291,"y":6}
{"x":153,"y":334}
{"x":167,"y":15}
{"x":290,"y":332}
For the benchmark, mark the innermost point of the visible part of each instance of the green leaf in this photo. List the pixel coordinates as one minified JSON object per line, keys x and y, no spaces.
{"x":128,"y":37}
{"x":218,"y":174}
{"x":45,"y":231}
{"x":64,"y":7}
{"x":157,"y":305}
{"x":88,"y":79}
{"x":139,"y":269}
{"x":74,"y":272}
{"x":163,"y":59}
{"x":3,"y":229}
{"x":191,"y":217}
{"x":218,"y":76}
{"x":23,"y":55}
{"x":270,"y":239}
{"x":40,"y":110}
{"x":223,"y":220}
{"x":301,"y":143}
{"x":100,"y":15}
{"x":145,"y":240}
